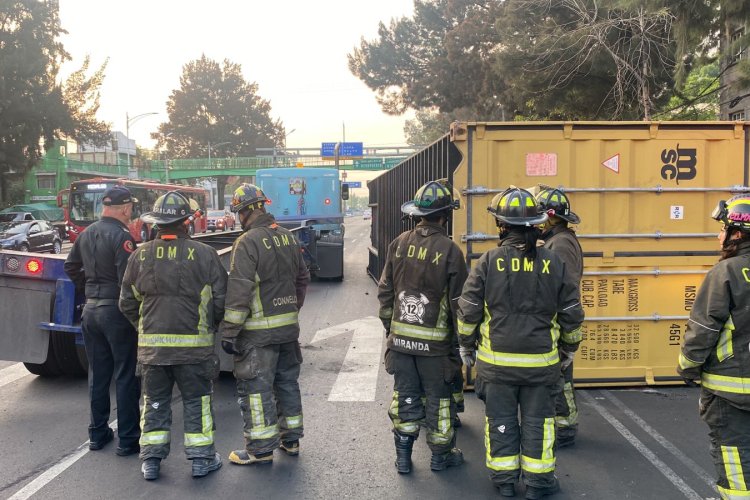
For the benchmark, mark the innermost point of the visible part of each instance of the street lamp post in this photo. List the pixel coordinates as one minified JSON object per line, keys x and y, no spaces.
{"x":209,"y":150}
{"x":128,"y":121}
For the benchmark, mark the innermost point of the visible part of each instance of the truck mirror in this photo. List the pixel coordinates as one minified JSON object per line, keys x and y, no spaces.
{"x":344,"y":191}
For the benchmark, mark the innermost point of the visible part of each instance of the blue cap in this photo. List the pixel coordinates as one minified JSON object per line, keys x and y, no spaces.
{"x":118,"y":195}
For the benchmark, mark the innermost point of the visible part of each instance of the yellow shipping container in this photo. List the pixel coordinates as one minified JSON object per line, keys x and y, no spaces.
{"x":644,"y":192}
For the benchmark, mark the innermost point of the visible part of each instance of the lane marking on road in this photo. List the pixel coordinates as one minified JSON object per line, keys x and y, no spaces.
{"x":358,"y":378}
{"x":643,"y":449}
{"x":12,"y":373}
{"x":50,"y":474}
{"x":689,"y":463}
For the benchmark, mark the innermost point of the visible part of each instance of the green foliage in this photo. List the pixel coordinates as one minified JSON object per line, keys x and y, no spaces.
{"x":439,"y":59}
{"x":550,"y":60}
{"x":699,"y":97}
{"x":215,"y":105}
{"x":35,"y":109}
{"x":430,"y":125}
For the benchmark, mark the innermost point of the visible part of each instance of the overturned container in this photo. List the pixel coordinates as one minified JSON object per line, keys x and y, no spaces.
{"x":643,"y":191}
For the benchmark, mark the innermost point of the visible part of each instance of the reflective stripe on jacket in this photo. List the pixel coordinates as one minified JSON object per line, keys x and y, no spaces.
{"x":718,"y":332}
{"x":523,"y":308}
{"x":419,"y":290}
{"x":173,"y":292}
{"x":267,"y":282}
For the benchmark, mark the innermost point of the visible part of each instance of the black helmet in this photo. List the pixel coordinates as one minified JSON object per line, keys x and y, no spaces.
{"x":245,"y":196}
{"x":517,"y":207}
{"x":734,"y":212}
{"x":555,"y":202}
{"x":170,"y":208}
{"x":431,"y":198}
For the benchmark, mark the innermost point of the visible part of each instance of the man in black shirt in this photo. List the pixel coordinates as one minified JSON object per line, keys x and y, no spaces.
{"x":97,"y":264}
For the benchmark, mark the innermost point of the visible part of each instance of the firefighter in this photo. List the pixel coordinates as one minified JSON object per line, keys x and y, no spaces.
{"x":97,"y":264}
{"x":561,"y":239}
{"x":520,"y":307}
{"x":267,"y":283}
{"x":715,"y":350}
{"x":418,"y":293}
{"x":173,"y":292}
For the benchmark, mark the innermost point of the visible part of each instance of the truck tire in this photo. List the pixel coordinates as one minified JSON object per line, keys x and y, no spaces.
{"x":70,"y":357}
{"x":57,"y":247}
{"x":50,"y":368}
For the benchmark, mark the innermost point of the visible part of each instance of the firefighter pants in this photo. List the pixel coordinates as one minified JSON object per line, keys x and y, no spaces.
{"x":729,"y":430}
{"x":458,"y":385}
{"x":269,"y":396}
{"x":566,"y":410}
{"x":528,"y":446}
{"x":111,"y":346}
{"x":195,"y":382}
{"x":423,"y":395}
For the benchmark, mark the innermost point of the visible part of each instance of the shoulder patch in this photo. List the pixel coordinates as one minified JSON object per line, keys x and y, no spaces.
{"x":128,"y":246}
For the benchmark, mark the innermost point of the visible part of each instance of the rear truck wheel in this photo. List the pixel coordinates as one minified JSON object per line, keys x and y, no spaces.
{"x":50,"y":368}
{"x":23,"y":248}
{"x":70,"y":357}
{"x":57,"y":247}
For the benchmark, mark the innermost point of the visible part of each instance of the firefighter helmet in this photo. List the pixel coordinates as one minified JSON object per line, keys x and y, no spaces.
{"x":555,"y":202}
{"x":431,"y":198}
{"x":517,"y":207}
{"x":247,"y":195}
{"x":170,"y":208}
{"x":734,"y":212}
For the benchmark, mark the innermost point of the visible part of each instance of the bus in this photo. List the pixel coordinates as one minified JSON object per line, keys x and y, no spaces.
{"x":84,"y":204}
{"x":309,"y":201}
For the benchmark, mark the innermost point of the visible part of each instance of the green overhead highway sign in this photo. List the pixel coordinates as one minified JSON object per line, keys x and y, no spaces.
{"x":376,"y":163}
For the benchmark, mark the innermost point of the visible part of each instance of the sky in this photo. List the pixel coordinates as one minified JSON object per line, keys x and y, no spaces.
{"x":295,"y":50}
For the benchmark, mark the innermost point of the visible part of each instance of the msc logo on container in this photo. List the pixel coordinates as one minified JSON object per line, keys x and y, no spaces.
{"x":678,"y":164}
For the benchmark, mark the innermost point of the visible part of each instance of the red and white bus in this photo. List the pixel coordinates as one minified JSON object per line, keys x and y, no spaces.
{"x":84,"y":203}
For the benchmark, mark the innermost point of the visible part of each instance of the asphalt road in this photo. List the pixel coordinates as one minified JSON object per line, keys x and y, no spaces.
{"x":639,"y":443}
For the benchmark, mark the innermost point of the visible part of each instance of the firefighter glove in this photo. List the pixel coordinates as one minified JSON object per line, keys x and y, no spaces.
{"x":566,"y":359}
{"x":229,"y":345}
{"x":690,"y":382}
{"x":468,"y":356}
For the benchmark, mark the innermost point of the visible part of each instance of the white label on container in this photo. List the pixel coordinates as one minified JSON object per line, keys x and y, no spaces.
{"x":541,"y":164}
{"x":677,"y":212}
{"x":613,"y":163}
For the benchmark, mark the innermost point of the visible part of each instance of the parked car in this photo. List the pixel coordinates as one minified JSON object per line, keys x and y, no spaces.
{"x":32,"y":236}
{"x":367,"y":214}
{"x":15,"y":217}
{"x":219,"y":220}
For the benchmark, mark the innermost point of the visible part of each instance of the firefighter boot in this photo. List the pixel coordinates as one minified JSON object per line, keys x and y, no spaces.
{"x":202,"y":466}
{"x":150,"y":468}
{"x":445,"y":460}
{"x":291,"y":448}
{"x":404,"y":445}
{"x":242,"y":457}
{"x":534,"y":493}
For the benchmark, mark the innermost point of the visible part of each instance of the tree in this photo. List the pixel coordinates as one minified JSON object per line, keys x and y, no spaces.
{"x":698,"y":99}
{"x":35,"y":109}
{"x":439,"y":59}
{"x":430,"y":125}
{"x":216,"y":105}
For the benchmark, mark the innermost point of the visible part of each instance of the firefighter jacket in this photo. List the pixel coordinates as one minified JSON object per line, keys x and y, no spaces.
{"x":523,"y":308}
{"x":97,"y":261}
{"x":718,"y":332}
{"x":267,"y":283}
{"x":419,"y":290}
{"x":173,"y":292}
{"x":563,"y":242}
